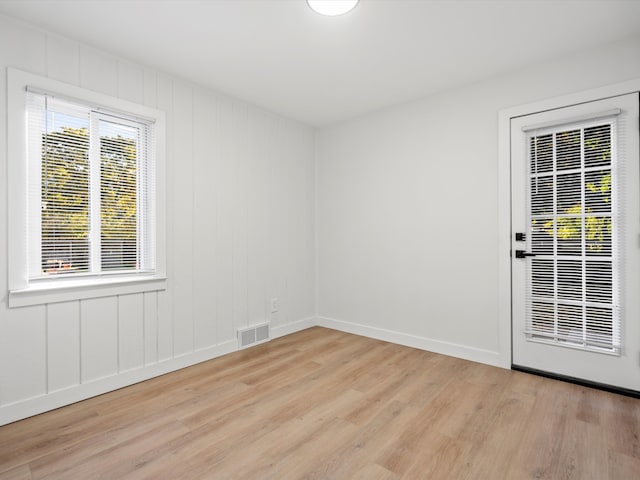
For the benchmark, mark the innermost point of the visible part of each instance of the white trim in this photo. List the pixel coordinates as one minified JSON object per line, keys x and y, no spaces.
{"x":504,"y":192}
{"x":289,"y":328}
{"x":33,"y":406}
{"x":64,"y":290}
{"x":568,"y":121}
{"x":21,"y":292}
{"x":504,"y":241}
{"x":465,"y":352}
{"x":95,"y":200}
{"x":74,"y":94}
{"x":16,"y":181}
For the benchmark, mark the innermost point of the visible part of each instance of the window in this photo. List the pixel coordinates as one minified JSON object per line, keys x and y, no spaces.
{"x":90,"y":165}
{"x":90,"y":185}
{"x":574,"y":214}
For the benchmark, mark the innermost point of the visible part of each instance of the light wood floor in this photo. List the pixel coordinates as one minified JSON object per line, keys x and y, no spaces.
{"x":321,"y":404}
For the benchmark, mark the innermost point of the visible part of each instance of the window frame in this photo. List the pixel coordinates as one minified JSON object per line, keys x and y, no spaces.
{"x":22,"y":290}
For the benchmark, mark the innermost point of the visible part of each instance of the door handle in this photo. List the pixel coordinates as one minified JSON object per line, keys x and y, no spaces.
{"x":523,"y":254}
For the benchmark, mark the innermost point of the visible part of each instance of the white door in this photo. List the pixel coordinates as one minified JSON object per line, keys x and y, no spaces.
{"x":576,"y":242}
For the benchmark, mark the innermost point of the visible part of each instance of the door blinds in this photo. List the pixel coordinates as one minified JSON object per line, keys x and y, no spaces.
{"x":573,"y":226}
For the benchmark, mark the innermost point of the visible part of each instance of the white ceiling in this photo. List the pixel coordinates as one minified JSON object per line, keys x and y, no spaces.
{"x":280,"y":55}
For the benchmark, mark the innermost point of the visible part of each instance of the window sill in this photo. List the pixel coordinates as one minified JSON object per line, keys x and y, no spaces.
{"x":64,"y":291}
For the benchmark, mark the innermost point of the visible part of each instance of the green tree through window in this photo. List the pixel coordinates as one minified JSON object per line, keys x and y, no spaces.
{"x":66,"y":201}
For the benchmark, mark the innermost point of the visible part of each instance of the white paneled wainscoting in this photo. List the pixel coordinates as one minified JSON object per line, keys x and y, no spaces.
{"x":240,"y":231}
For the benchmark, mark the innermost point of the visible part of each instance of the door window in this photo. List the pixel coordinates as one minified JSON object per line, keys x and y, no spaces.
{"x":571,"y":204}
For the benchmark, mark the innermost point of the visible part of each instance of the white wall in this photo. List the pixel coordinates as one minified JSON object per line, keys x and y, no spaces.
{"x":408,"y":213}
{"x":406,"y":219}
{"x":240,"y":231}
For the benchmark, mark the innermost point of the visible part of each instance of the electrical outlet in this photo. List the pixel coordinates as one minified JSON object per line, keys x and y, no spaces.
{"x":275,"y":305}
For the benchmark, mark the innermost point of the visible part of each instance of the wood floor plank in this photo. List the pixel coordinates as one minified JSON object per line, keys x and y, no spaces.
{"x":623,"y":425}
{"x":373,"y":471}
{"x":23,"y":472}
{"x":260,"y":458}
{"x":322,"y":404}
{"x":623,"y":466}
{"x":112,"y":459}
{"x":495,"y":437}
{"x":307,"y":455}
{"x":539,"y":455}
{"x":352,"y":454}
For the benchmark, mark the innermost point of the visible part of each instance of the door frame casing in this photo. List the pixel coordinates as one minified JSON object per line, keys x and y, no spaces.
{"x":504,"y":195}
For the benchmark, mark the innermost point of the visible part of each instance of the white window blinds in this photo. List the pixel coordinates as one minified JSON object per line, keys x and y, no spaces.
{"x":573,"y":279}
{"x":91,"y":190}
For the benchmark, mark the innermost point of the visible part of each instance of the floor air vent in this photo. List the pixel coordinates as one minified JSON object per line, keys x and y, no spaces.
{"x":253,"y":335}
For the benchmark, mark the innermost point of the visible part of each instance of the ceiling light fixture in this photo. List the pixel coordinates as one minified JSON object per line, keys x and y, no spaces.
{"x":332,"y":7}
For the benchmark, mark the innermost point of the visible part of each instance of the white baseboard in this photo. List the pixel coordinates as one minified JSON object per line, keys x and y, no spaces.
{"x":33,"y":406}
{"x":289,"y":328}
{"x":437,"y":346}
